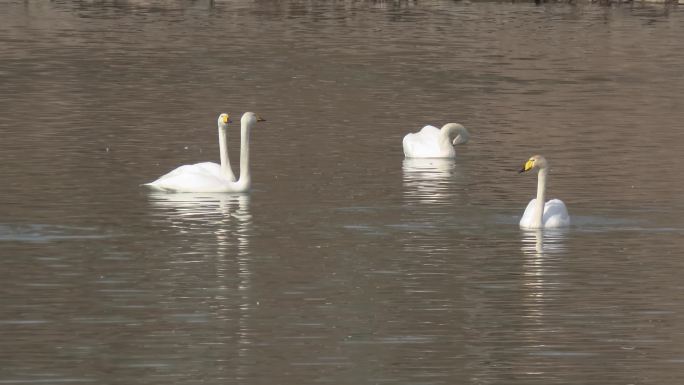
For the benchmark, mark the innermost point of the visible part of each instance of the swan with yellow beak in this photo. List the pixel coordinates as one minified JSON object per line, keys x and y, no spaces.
{"x":539,"y":213}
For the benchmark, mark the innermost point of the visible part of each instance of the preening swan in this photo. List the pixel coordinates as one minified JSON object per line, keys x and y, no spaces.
{"x":539,"y":214}
{"x":431,"y":142}
{"x":210,"y":177}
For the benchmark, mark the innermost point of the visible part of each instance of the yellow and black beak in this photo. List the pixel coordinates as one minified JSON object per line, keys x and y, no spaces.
{"x":260,"y":119}
{"x":226,"y":119}
{"x":527,"y":167}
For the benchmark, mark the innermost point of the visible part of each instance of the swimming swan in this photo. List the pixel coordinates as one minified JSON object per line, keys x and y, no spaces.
{"x":210,"y":177}
{"x":431,"y":142}
{"x":539,"y":214}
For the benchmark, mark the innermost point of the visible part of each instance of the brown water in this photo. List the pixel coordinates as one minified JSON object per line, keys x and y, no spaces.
{"x":346,"y":264}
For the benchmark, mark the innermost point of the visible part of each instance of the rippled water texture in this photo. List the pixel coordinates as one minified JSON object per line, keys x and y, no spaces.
{"x":346,"y":264}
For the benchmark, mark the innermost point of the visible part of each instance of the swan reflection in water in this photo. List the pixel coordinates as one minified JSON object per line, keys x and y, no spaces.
{"x":426,"y":180}
{"x":226,"y":217}
{"x":538,"y":242}
{"x":542,"y":250}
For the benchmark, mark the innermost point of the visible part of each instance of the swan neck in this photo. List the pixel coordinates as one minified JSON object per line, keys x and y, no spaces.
{"x":223,"y":150}
{"x":455,"y":133}
{"x":244,"y":154}
{"x":541,"y":198}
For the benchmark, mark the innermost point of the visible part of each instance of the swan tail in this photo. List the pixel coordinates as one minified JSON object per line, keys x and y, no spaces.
{"x":406,"y":144}
{"x":154,"y":186}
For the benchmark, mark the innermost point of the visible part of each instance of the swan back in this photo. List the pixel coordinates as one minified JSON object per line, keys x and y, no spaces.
{"x":200,"y":177}
{"x":555,"y":215}
{"x":427,"y":143}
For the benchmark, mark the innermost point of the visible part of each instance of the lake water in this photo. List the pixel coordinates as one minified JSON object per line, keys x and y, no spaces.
{"x":346,"y":264}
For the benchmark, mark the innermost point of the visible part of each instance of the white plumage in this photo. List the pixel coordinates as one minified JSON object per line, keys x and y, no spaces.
{"x":432,"y":142}
{"x":540,"y":214}
{"x":210,"y":177}
{"x":555,"y":214}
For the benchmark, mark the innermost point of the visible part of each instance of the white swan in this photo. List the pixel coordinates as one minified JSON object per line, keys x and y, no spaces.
{"x":218,"y":171}
{"x":210,"y":177}
{"x":539,"y":214}
{"x":431,"y":142}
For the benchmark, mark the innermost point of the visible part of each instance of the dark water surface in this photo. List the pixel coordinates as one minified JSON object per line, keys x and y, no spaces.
{"x":346,"y":264}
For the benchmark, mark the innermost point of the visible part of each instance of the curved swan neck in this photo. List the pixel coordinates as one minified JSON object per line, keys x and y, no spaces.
{"x":226,"y":169}
{"x":537,"y":218}
{"x":455,"y":133}
{"x":244,"y":153}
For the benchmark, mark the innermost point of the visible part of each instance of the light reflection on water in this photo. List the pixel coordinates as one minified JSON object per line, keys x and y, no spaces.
{"x":41,"y":233}
{"x":227,"y":216}
{"x":427,"y":180}
{"x":538,"y":247}
{"x":227,"y":219}
{"x":540,"y":242}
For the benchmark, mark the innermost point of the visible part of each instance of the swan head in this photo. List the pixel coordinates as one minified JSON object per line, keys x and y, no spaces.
{"x":250,"y":118}
{"x":462,"y":136}
{"x":536,"y":161}
{"x":223,"y":120}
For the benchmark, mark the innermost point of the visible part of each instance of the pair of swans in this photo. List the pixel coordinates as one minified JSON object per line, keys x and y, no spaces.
{"x":208,"y":177}
{"x":432,"y":142}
